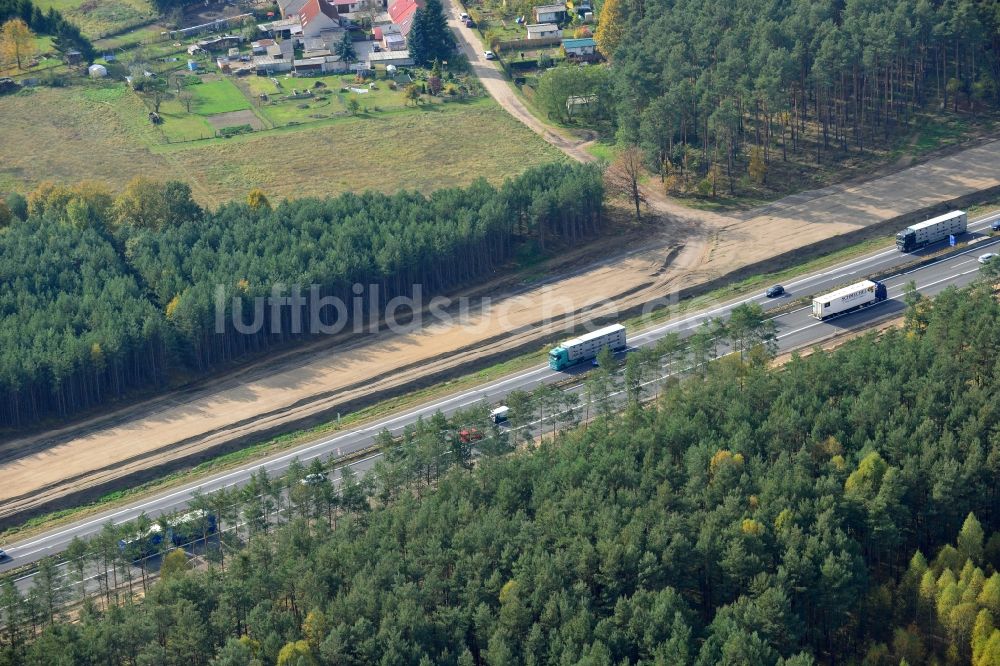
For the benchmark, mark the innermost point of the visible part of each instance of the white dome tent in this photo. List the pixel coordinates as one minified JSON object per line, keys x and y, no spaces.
{"x":97,"y":71}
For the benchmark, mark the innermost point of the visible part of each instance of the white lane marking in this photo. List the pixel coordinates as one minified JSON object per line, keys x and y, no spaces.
{"x":136,"y":509}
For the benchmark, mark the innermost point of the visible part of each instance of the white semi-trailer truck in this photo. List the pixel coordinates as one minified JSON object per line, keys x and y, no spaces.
{"x":585,"y":347}
{"x":848,"y":298}
{"x":933,"y":230}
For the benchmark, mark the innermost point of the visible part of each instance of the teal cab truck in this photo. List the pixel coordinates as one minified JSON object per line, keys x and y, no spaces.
{"x":586,"y":347}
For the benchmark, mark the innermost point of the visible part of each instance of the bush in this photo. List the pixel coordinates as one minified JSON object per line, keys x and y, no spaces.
{"x":227,"y":132}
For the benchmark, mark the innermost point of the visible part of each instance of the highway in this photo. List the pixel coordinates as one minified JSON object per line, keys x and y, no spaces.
{"x":795,"y":329}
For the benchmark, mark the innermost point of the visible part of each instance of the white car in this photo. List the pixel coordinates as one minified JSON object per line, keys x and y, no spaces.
{"x":313,"y":479}
{"x":463,"y":16}
{"x":989,"y":256}
{"x":489,"y":55}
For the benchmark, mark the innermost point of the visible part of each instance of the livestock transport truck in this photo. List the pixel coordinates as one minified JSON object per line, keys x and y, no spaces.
{"x":933,"y":230}
{"x":586,"y":347}
{"x":849,"y":298}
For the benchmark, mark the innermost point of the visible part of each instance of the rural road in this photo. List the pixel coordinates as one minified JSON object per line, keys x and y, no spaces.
{"x":795,"y":329}
{"x":495,"y":82}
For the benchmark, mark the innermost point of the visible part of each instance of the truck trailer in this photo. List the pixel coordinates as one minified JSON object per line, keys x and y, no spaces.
{"x":586,"y":347}
{"x":937,"y":228}
{"x":848,"y":298}
{"x":499,"y":415}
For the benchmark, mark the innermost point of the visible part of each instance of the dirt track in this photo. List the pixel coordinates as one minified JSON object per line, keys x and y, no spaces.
{"x":677,"y":248}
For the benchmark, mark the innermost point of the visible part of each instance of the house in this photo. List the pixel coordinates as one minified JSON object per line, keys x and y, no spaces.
{"x":317,"y":16}
{"x":290,"y":8}
{"x":542,"y":30}
{"x":223,"y":64}
{"x":549,"y":13}
{"x":393,"y":41}
{"x":583,"y":47}
{"x":260,"y":46}
{"x":402,"y":12}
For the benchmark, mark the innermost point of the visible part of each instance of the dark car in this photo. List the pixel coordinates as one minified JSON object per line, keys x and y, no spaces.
{"x":775,"y":291}
{"x":4,"y":556}
{"x":995,"y":226}
{"x":469,"y":23}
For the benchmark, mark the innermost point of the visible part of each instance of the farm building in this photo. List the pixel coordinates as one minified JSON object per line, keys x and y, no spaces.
{"x":541,"y":30}
{"x":290,"y":8}
{"x":223,"y":43}
{"x":266,"y":65}
{"x":384,"y":58}
{"x":393,"y":41}
{"x":549,"y":13}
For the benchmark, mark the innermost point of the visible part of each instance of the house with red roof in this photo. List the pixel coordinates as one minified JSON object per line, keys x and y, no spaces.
{"x":401,"y":12}
{"x":317,"y":16}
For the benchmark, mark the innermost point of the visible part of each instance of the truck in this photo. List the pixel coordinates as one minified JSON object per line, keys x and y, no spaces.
{"x":853,"y":297}
{"x":499,"y":415}
{"x":930,"y":231}
{"x":586,"y":347}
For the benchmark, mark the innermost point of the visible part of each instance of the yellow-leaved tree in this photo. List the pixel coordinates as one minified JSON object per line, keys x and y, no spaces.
{"x":17,"y":42}
{"x":610,"y":28}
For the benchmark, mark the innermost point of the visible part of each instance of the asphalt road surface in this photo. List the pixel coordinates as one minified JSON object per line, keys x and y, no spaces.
{"x":795,"y":328}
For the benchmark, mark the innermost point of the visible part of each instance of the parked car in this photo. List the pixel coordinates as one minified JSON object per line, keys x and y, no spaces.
{"x":775,"y":291}
{"x":995,"y":226}
{"x":469,"y":23}
{"x":4,"y":556}
{"x":489,"y":55}
{"x":463,"y":16}
{"x":376,"y":48}
{"x":988,"y":257}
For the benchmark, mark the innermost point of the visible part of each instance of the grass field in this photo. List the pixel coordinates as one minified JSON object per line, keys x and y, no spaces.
{"x":328,"y":102}
{"x":219,"y":96}
{"x":102,"y":133}
{"x":97,"y":18}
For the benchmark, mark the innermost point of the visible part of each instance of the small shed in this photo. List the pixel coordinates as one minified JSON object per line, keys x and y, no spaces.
{"x":97,"y":71}
{"x":193,"y":65}
{"x":576,"y":103}
{"x":542,"y":30}
{"x":585,"y":46}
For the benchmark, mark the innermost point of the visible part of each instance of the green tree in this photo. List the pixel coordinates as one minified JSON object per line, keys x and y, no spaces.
{"x":430,"y":38}
{"x":345,"y":48}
